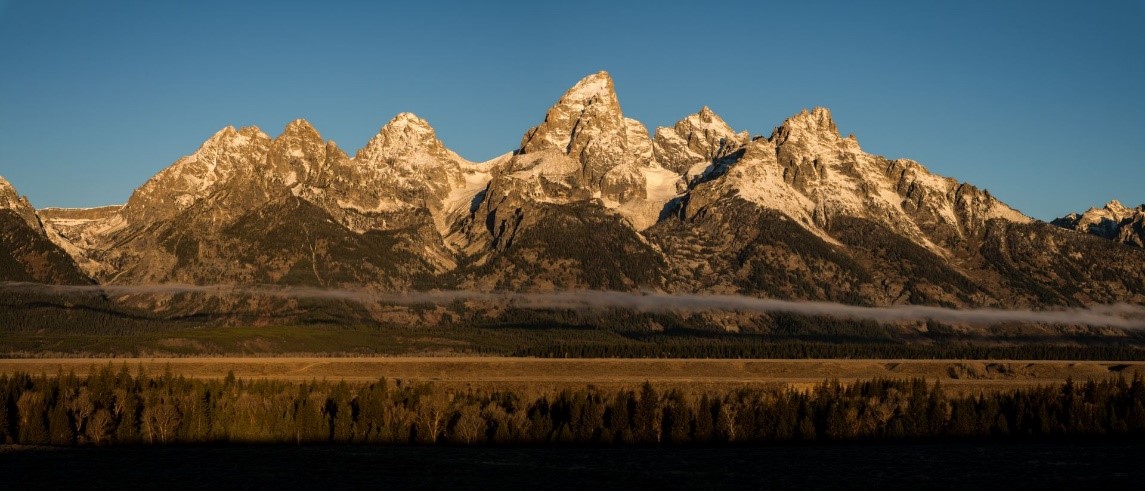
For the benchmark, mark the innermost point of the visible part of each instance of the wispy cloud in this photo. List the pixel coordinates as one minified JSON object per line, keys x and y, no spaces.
{"x":1120,"y":315}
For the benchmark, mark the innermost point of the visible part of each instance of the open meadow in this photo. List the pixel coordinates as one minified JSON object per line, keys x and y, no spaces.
{"x":555,"y":374}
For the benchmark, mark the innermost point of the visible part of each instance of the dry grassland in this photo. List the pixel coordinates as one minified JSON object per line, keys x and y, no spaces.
{"x":554,"y":374}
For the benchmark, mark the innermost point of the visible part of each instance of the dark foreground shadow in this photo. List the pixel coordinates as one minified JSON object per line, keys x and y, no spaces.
{"x":1016,"y":465}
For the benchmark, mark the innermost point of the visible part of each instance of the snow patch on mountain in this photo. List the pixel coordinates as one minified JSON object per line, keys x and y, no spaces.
{"x":661,"y":186}
{"x":463,"y":199}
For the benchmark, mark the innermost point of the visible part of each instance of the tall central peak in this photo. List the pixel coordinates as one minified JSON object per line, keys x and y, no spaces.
{"x":595,"y":88}
{"x":298,"y":136}
{"x":300,"y":127}
{"x":296,"y":156}
{"x":585,"y":111}
{"x":707,"y":115}
{"x":404,"y":135}
{"x":586,"y":131}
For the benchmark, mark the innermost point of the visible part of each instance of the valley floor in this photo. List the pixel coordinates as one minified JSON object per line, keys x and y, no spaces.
{"x":558,"y":373}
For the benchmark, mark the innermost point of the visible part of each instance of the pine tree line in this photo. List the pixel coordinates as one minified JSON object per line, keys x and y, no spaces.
{"x":116,"y":407}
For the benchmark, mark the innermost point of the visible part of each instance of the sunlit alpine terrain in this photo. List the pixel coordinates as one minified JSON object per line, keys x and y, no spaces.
{"x":469,"y":285}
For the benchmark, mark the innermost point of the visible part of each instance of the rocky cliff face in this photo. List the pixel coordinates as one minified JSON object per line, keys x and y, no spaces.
{"x":855,"y":227}
{"x":812,"y":174}
{"x":582,"y":180}
{"x":693,"y":143}
{"x":586,"y":149}
{"x":17,"y":205}
{"x":590,"y":201}
{"x":1114,"y":221}
{"x":26,"y":253}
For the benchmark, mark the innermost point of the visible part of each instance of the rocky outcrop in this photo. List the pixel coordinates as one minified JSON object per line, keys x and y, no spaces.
{"x":598,"y":152}
{"x":696,"y":142}
{"x":18,"y":205}
{"x":813,"y":175}
{"x":1114,"y":221}
{"x":26,"y":253}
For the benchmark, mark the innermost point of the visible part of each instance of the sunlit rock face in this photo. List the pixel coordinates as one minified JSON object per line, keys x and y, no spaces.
{"x":589,"y":200}
{"x":1114,"y":221}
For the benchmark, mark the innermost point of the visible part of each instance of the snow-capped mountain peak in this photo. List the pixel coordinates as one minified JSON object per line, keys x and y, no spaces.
{"x":401,"y":138}
{"x":586,"y":112}
{"x":596,"y":88}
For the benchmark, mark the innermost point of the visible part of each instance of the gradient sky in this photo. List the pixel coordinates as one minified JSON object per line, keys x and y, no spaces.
{"x":1041,"y":102}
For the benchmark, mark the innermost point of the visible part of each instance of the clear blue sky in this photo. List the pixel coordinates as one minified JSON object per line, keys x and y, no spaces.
{"x":1041,"y":102}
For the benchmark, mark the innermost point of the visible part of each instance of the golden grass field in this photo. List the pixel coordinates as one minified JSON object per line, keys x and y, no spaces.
{"x":539,"y":373}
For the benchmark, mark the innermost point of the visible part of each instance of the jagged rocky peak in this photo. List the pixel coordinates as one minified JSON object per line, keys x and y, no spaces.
{"x":404,"y":167}
{"x":705,"y":125}
{"x":584,"y":153}
{"x":26,"y":251}
{"x":228,"y":155}
{"x":586,"y":149}
{"x":588,"y":125}
{"x":228,"y":136}
{"x":1113,"y":221}
{"x":11,"y":200}
{"x":597,"y":88}
{"x":808,"y":172}
{"x":810,"y":149}
{"x":300,"y":128}
{"x":403,"y":136}
{"x":213,"y":154}
{"x":332,"y":149}
{"x":8,"y":197}
{"x":1107,"y":216}
{"x":593,"y":97}
{"x":817,"y":119}
{"x":811,"y":127}
{"x":1116,"y":208}
{"x":697,"y":139}
{"x":297,"y":155}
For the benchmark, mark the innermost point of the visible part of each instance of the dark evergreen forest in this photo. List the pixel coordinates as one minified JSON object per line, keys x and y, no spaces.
{"x":112,"y":407}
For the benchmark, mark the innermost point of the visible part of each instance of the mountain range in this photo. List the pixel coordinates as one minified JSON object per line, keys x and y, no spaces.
{"x":1113,"y":221}
{"x":589,"y":199}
